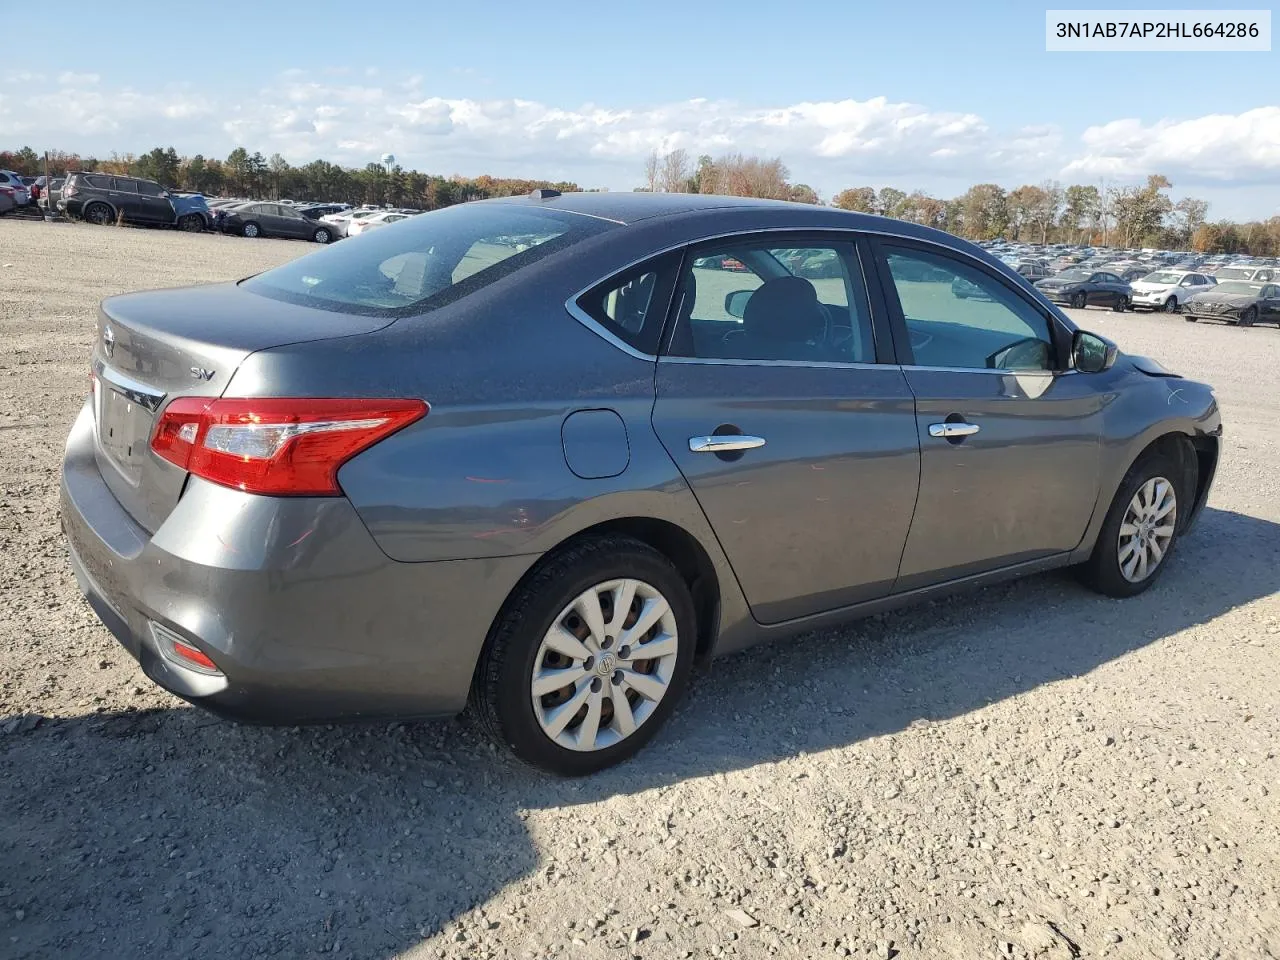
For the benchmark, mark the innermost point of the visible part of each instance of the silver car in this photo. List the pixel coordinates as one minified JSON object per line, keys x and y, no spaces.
{"x":545,"y":477}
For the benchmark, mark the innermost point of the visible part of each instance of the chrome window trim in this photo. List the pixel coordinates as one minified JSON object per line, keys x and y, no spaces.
{"x":811,"y":364}
{"x":598,"y":328}
{"x":848,"y":234}
{"x":1001,"y":371}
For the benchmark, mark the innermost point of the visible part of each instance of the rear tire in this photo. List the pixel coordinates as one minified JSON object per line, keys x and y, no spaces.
{"x":1105,"y":570}
{"x":251,"y":230}
{"x":545,"y":607}
{"x":100,"y":214}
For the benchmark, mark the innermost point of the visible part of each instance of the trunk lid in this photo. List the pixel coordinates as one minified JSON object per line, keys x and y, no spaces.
{"x":152,"y":347}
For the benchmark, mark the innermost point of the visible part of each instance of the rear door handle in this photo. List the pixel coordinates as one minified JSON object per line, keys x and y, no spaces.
{"x":724,"y":443}
{"x":947,"y":431}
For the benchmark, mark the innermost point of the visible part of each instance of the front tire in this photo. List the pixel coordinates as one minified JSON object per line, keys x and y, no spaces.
{"x":191,"y":223}
{"x":1249,"y":317}
{"x":322,"y":235}
{"x":588,"y":657}
{"x":1121,"y":305}
{"x":1171,"y":305}
{"x":1140,"y":531}
{"x":1079,"y":300}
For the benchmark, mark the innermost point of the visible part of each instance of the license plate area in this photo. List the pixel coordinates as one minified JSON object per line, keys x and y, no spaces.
{"x":126,"y":414}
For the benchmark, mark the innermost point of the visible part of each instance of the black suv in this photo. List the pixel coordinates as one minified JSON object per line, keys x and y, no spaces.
{"x":104,"y":198}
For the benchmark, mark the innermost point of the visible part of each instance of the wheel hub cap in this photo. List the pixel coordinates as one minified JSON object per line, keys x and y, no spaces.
{"x":604,"y":665}
{"x":1147,"y":529}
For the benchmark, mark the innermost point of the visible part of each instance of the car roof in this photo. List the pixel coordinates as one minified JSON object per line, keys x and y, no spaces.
{"x":632,"y":207}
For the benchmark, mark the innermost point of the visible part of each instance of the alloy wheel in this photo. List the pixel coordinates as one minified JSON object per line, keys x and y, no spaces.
{"x":1171,"y":305}
{"x":604,"y":665}
{"x":1147,"y":529}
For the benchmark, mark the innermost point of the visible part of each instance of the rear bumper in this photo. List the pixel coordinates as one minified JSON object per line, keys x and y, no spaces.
{"x":291,"y":598}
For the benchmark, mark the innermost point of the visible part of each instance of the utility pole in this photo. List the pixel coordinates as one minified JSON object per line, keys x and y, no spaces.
{"x":48,"y":185}
{"x":1103,"y":204}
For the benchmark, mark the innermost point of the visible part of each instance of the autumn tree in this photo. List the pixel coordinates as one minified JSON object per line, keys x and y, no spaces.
{"x":675,"y":172}
{"x":859,"y":199}
{"x":1081,"y":210}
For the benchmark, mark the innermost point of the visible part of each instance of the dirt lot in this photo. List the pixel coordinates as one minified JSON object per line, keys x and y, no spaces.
{"x":1030,"y":771}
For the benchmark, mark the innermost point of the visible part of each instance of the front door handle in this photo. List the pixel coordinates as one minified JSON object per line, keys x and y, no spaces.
{"x":724,"y":443}
{"x":948,"y":431}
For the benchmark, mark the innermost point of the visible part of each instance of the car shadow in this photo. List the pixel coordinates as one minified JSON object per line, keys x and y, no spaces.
{"x":171,"y":833}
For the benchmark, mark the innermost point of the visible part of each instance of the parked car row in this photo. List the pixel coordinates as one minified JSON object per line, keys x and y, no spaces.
{"x":1198,"y":286}
{"x":319,"y":222}
{"x":106,"y":198}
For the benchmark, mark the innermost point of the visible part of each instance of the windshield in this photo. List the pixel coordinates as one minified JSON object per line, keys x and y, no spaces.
{"x":1238,"y":287}
{"x":1165,"y":278}
{"x":425,"y":261}
{"x":1074,"y":275}
{"x":1235,"y":273}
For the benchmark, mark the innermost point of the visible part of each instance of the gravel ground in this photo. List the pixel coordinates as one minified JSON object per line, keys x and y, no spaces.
{"x":1028,"y":771}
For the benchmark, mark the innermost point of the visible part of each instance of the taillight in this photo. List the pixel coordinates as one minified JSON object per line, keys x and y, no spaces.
{"x":280,"y":447}
{"x":69,"y":189}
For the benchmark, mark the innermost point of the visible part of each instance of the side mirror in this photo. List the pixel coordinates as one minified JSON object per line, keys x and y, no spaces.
{"x":735,"y":304}
{"x":1091,"y":353}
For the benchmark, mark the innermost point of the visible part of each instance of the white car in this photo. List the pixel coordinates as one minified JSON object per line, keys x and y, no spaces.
{"x":1247,"y":271}
{"x":1167,"y":290}
{"x":365,"y":224}
{"x":21,"y":193}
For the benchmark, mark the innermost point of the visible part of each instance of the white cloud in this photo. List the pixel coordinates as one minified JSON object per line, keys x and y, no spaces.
{"x":1242,"y":147}
{"x":829,"y":144}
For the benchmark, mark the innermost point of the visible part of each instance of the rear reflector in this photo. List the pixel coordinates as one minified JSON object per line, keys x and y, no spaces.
{"x":177,"y":650}
{"x":276,"y":446}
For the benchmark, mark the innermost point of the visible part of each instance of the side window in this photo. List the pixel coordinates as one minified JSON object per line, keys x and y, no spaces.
{"x":148,"y":189}
{"x":99,"y":183}
{"x":757,"y":300}
{"x":633,"y":305}
{"x":960,"y":316}
{"x":123,"y":185}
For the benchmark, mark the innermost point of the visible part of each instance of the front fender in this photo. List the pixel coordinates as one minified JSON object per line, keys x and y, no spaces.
{"x":1143,"y":409}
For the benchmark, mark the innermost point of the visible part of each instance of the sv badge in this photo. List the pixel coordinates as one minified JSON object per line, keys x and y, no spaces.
{"x":200,"y":373}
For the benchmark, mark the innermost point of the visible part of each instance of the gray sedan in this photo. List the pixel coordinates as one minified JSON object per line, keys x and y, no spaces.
{"x":274,"y":220}
{"x":437,"y":466}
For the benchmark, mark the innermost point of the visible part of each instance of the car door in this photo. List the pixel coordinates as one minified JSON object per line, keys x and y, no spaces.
{"x":154,"y":206}
{"x":124,"y":197}
{"x":799,"y":445}
{"x":1269,"y":303}
{"x":269,"y":219}
{"x":293,"y":224}
{"x":1108,"y":289}
{"x":1009,"y":437}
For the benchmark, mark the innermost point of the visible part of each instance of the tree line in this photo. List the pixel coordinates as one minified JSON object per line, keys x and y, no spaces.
{"x":1125,"y":216}
{"x":251,"y":175}
{"x":1121,"y":216}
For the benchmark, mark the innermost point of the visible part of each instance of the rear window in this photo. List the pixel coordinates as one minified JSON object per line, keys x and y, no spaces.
{"x":425,"y":261}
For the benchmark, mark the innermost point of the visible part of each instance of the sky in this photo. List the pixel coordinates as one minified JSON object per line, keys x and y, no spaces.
{"x":916,"y":95}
